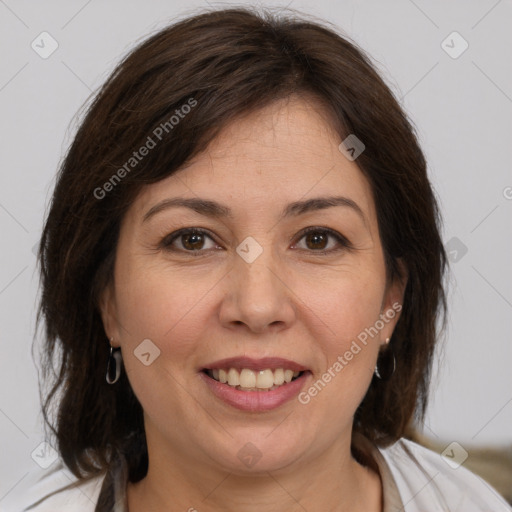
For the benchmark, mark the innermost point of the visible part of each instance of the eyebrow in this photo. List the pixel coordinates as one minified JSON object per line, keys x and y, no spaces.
{"x":216,"y":210}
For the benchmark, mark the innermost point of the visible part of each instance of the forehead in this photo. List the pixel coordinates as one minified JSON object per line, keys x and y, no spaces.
{"x":279,"y":154}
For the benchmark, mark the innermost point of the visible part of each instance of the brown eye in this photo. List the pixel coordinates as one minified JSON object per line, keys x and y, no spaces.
{"x":316,"y":240}
{"x":188,"y":240}
{"x":323,"y":241}
{"x":193,"y":242}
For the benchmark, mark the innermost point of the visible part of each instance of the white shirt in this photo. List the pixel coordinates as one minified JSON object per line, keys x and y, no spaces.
{"x":414,"y":479}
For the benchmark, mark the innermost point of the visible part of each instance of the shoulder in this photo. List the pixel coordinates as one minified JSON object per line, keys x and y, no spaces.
{"x":425,"y":478}
{"x":52,"y":490}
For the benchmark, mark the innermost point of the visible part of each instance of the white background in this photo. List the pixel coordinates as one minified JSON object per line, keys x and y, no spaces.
{"x":462,"y":109}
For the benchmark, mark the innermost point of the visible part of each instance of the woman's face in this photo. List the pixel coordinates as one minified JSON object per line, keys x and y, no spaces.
{"x":252,"y":284}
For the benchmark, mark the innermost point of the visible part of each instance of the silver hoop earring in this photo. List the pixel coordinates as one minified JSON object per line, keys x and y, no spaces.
{"x":386,"y":363}
{"x":113,"y":364}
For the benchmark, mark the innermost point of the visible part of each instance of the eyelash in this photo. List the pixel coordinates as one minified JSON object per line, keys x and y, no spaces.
{"x":167,"y":242}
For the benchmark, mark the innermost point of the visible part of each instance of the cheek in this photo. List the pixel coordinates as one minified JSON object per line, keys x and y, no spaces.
{"x":154,"y":305}
{"x":348,"y":303}
{"x":351,"y":352}
{"x":167,"y":308}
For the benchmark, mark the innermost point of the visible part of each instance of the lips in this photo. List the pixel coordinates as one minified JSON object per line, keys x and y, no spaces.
{"x":254,"y":384}
{"x":255,"y":399}
{"x":266,"y":363}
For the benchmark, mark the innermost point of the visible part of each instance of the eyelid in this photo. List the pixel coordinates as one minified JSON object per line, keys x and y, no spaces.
{"x":342,"y":240}
{"x":168,"y":240}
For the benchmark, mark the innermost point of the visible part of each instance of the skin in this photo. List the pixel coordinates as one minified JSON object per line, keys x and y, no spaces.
{"x":291,"y":302}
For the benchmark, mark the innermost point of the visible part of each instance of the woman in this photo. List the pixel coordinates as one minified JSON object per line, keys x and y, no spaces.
{"x":241,"y":281}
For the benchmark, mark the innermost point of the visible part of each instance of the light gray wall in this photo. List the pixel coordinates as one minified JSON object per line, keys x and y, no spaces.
{"x":461,"y":106}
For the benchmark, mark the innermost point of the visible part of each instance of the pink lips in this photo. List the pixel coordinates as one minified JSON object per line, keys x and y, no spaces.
{"x":264,"y":363}
{"x":256,"y":401}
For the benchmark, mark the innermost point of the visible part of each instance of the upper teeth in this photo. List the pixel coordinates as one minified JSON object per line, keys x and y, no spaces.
{"x":262,"y":379}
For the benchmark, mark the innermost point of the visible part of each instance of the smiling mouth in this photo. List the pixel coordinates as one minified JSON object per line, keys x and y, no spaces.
{"x":251,"y":380}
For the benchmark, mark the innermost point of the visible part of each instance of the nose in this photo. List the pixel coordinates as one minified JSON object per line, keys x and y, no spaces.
{"x":258,"y":296}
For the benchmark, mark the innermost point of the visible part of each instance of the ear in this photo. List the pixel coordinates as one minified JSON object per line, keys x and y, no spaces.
{"x":392,"y":303}
{"x":108,"y":311}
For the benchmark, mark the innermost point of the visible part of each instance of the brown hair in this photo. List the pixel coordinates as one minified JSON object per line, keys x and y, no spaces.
{"x":229,"y":62}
